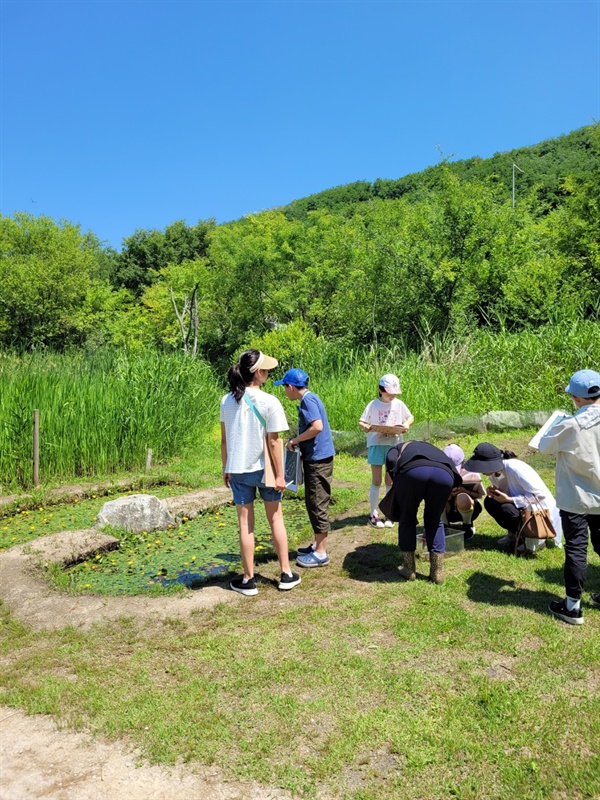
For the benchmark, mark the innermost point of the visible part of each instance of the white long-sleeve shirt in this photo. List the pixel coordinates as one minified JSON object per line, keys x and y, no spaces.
{"x":522,"y":483}
{"x":576,"y":443}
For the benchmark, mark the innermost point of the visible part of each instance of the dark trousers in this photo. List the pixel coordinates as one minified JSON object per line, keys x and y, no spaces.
{"x":575,"y":532}
{"x":506,"y":514}
{"x":432,"y":485}
{"x":317,"y":492}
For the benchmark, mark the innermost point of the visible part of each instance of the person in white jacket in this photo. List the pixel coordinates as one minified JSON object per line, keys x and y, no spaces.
{"x":575,"y":441}
{"x":515,"y":485}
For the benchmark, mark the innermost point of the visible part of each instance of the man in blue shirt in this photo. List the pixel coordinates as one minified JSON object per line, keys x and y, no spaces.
{"x":317,"y":450}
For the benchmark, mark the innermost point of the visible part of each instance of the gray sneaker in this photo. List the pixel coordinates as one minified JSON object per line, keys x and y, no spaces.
{"x":506,"y":541}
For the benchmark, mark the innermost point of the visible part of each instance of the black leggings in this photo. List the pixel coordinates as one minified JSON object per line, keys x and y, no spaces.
{"x":506,"y":514}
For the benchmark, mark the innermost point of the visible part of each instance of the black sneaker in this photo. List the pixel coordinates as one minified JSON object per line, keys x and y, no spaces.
{"x":469,"y":531}
{"x":306,"y":551}
{"x":595,"y":598}
{"x":287,"y":582}
{"x":559,"y":609}
{"x":247,"y":588}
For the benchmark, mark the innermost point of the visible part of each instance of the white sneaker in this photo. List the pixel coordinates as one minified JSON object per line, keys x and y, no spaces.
{"x":375,"y":522}
{"x":388,"y":523}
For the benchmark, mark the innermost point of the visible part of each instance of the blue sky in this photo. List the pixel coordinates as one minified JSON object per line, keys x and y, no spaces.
{"x":134,"y":114}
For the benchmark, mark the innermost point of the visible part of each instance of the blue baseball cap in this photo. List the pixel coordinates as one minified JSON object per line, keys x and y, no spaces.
{"x":585,"y":383}
{"x":293,"y":377}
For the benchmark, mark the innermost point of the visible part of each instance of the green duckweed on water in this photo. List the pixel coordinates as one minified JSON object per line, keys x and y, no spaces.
{"x":185,"y":556}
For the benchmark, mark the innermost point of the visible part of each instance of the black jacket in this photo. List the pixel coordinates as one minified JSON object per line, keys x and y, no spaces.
{"x":403,"y":457}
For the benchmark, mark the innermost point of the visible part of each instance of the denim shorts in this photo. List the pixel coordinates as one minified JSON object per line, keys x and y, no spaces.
{"x":244,"y":486}
{"x":376,"y":453}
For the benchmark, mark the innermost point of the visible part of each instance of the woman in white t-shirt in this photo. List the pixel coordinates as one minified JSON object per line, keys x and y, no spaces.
{"x":247,"y":415}
{"x":385,"y":410}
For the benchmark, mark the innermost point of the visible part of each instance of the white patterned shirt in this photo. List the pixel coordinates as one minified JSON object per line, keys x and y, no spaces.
{"x":380,"y":413}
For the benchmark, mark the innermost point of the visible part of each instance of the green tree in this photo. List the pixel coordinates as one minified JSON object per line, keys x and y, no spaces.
{"x":255,"y":270}
{"x":147,"y":252}
{"x":50,"y":294}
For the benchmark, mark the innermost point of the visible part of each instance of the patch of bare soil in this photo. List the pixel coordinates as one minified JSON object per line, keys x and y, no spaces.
{"x":39,"y":762}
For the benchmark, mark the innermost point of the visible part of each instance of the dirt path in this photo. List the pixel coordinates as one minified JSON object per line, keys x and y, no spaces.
{"x":40,"y":762}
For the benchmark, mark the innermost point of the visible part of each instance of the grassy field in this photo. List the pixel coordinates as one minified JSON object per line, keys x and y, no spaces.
{"x":356,"y":685}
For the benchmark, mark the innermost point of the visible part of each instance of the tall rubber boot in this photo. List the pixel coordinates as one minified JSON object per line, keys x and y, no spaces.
{"x":436,"y":573}
{"x":409,"y":568}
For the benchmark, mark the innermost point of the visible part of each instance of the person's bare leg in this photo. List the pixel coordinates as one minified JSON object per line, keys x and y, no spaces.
{"x":246,"y":530}
{"x":465,"y":505}
{"x":274,"y":514}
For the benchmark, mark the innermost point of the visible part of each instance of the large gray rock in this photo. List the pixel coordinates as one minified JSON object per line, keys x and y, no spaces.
{"x":502,"y":420}
{"x":136,"y":513}
{"x":534,"y":419}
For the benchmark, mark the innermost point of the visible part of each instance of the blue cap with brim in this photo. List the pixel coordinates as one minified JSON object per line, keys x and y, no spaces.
{"x":293,"y":377}
{"x":585,"y":383}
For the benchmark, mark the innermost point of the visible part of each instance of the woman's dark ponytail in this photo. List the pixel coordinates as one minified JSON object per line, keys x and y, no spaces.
{"x":239,"y":375}
{"x":506,"y":454}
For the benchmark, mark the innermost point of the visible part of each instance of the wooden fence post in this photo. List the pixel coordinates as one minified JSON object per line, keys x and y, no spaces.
{"x":149,"y":460}
{"x":36,"y":448}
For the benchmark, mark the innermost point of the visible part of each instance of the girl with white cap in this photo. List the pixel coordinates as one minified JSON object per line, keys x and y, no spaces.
{"x":386,"y":410}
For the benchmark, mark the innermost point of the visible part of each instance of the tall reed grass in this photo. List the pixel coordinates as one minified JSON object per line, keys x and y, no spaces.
{"x":452,"y":377}
{"x":100,"y":413}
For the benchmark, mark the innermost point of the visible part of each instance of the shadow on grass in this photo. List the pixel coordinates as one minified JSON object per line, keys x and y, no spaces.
{"x":374,"y":562}
{"x":484,"y":542}
{"x":555,"y":576}
{"x":489,"y":589}
{"x":221,"y":571}
{"x":362,"y":520}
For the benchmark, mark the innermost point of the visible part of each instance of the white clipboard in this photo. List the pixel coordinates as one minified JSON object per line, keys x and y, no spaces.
{"x":553,"y":419}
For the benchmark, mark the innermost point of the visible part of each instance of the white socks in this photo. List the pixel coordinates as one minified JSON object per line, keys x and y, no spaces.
{"x":374,"y":499}
{"x":572,"y":605}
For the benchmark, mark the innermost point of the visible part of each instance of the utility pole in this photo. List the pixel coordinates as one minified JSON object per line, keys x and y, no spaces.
{"x":514,"y":167}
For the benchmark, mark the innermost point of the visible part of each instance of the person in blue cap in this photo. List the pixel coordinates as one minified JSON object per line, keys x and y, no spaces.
{"x":317,"y":450}
{"x":575,"y":441}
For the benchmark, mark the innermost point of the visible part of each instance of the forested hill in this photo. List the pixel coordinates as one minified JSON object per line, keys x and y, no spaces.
{"x":442,"y":252}
{"x":544,"y":167}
